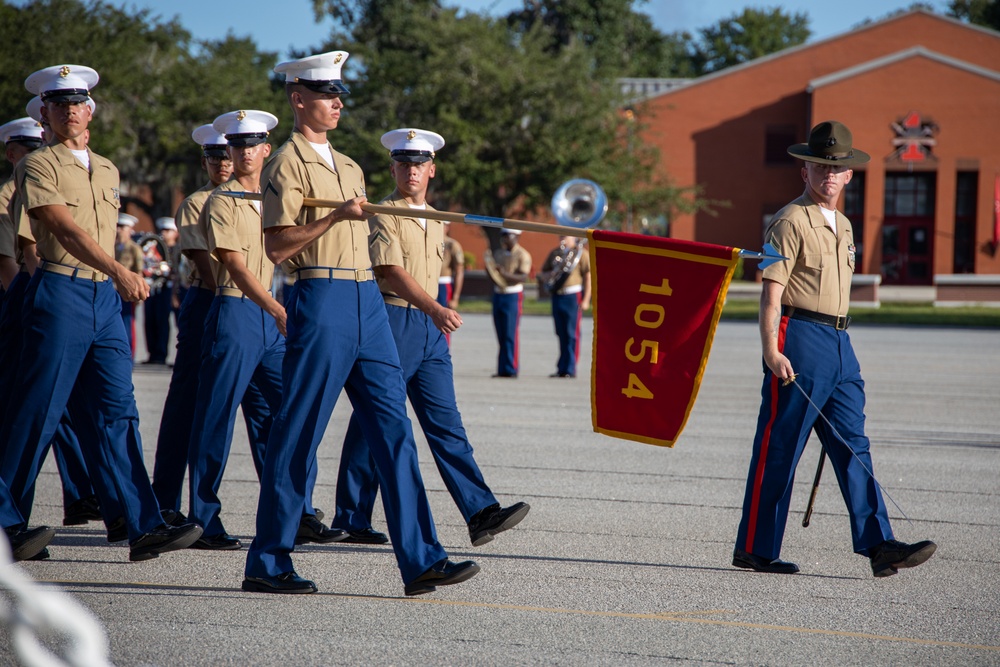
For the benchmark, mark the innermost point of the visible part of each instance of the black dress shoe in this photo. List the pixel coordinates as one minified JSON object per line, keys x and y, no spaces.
{"x":220,"y":542}
{"x":163,"y":539}
{"x":173,"y":518}
{"x":743,"y":559}
{"x":81,"y":511}
{"x":42,"y":555}
{"x":117,"y":530}
{"x":25,"y":544}
{"x":891,"y":555}
{"x":287,"y":582}
{"x":312,"y":529}
{"x":365,"y":536}
{"x":318,"y":513}
{"x":444,"y":573}
{"x":494,"y":519}
{"x":504,"y":375}
{"x":562,"y":375}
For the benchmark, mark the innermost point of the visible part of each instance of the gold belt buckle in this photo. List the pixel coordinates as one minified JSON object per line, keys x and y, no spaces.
{"x":360,"y":275}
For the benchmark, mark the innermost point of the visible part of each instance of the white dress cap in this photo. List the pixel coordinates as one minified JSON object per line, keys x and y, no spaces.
{"x":245,"y":128}
{"x":409,"y":144}
{"x":213,"y":143}
{"x":23,"y":130}
{"x":166,"y":223}
{"x":34,"y":107}
{"x":63,"y":83}
{"x":320,"y":72}
{"x":126,"y":220}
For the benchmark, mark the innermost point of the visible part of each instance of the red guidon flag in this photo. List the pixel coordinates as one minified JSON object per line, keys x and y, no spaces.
{"x":656,"y":304}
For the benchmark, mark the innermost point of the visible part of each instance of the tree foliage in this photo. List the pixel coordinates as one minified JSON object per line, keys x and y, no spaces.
{"x":980,"y":12}
{"x":751,"y":34}
{"x":157,"y":83}
{"x":521,"y":108}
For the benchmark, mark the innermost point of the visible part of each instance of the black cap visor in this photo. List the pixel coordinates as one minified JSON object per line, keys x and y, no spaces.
{"x":332,"y":87}
{"x":248,"y":139}
{"x":66,"y":95}
{"x":214,"y":150}
{"x":411,"y":156}
{"x":27,"y":142}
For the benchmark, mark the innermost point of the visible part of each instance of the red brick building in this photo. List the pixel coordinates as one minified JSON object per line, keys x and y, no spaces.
{"x":921,"y":93}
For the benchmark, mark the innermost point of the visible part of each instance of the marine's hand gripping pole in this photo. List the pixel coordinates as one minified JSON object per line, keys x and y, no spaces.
{"x":769,"y":255}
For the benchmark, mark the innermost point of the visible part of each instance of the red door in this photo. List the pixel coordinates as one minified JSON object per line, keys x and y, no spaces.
{"x":908,"y":229}
{"x":907,"y":251}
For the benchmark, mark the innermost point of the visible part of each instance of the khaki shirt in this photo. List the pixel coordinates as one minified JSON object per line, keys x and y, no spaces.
{"x":576,"y":275}
{"x":453,"y":254}
{"x":517,"y":260}
{"x":192,"y":236}
{"x":52,"y":175}
{"x":234,"y":224}
{"x":8,"y":232}
{"x":817,"y":275}
{"x":129,"y":255}
{"x":297,"y":171}
{"x":400,"y":240}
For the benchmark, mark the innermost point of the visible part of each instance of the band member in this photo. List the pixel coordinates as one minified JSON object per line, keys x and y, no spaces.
{"x":405,"y":253}
{"x":244,"y":329}
{"x":338,"y":338}
{"x":803,"y":331}
{"x":452,"y":271}
{"x":128,"y":254}
{"x":156,"y":308}
{"x":71,"y":196}
{"x":566,"y":276}
{"x":508,"y":267}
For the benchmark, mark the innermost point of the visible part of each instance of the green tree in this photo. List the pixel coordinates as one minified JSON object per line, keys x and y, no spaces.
{"x":157,"y":83}
{"x":749,"y":35}
{"x":980,"y":12}
{"x":519,"y":116}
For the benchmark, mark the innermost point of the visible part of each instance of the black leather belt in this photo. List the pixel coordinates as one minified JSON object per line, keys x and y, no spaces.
{"x":837,"y":322}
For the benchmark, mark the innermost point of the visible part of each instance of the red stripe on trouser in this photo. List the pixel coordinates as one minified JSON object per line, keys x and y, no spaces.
{"x":758,"y":477}
{"x":517,"y":330}
{"x":579,"y":316}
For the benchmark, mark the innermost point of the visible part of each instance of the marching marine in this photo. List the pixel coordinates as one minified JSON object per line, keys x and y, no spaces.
{"x":508,"y":267}
{"x":406,"y":253}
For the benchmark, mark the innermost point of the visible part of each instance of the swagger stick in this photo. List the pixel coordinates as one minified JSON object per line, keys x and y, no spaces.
{"x":812,"y":494}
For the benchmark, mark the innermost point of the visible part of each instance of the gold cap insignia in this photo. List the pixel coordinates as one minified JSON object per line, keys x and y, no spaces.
{"x":411,"y":135}
{"x":337,"y":59}
{"x":240,"y":115}
{"x":64,"y":72}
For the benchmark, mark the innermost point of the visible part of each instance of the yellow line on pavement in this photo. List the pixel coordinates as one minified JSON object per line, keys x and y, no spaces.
{"x":691,"y":616}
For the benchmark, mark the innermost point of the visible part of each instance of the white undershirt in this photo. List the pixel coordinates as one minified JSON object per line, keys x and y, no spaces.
{"x":325,"y":153}
{"x":83,"y":156}
{"x":420,"y":207}
{"x":831,"y":218}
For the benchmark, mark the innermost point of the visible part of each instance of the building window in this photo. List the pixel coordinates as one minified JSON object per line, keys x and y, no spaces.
{"x":776,"y":143}
{"x":966,"y":191}
{"x":909,"y":195}
{"x":854,"y":209}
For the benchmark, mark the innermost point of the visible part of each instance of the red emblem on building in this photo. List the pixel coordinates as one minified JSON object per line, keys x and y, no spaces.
{"x":914,"y":138}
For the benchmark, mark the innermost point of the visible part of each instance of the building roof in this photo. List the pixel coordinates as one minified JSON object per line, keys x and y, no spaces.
{"x":892,"y":58}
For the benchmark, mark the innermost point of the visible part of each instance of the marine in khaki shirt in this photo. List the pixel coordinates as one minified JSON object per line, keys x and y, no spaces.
{"x":52,"y":175}
{"x":235,"y":225}
{"x":818,"y":274}
{"x":402,"y":240}
{"x":298,"y":171}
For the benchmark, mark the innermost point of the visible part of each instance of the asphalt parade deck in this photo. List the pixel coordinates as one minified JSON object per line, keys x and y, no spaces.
{"x":625,"y":556}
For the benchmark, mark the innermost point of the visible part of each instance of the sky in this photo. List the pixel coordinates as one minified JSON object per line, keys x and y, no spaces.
{"x":279,"y":26}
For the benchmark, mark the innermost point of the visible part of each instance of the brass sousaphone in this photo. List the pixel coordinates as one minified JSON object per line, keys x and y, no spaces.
{"x":577,"y":203}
